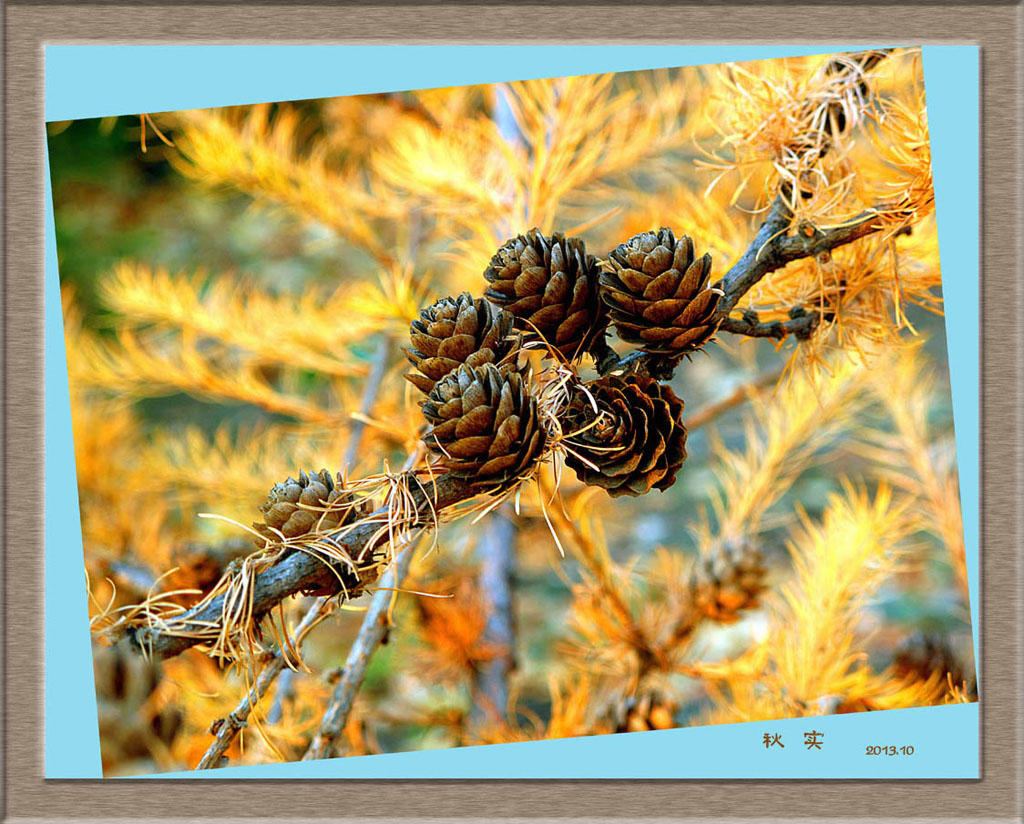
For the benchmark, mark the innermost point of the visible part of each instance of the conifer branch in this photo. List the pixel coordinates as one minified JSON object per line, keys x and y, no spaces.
{"x":773,"y":248}
{"x":301,"y":571}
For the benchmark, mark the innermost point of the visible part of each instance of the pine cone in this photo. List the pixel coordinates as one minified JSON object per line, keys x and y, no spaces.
{"x":922,"y":655}
{"x":456,"y":331}
{"x":313,"y":502}
{"x":551,"y":286}
{"x":635,"y":438}
{"x":485,"y":424}
{"x":728,"y":580}
{"x":657,"y":294}
{"x":130,"y":722}
{"x":649,"y":711}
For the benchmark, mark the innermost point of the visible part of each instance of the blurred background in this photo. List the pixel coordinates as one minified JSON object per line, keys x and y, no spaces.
{"x":234,"y":280}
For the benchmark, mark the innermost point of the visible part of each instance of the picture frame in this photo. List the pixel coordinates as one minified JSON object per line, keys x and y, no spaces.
{"x":993,"y":796}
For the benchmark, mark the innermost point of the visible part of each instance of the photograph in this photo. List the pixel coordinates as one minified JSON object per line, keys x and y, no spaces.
{"x":553,"y":408}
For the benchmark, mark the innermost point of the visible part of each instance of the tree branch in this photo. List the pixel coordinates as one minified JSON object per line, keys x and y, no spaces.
{"x":773,"y":248}
{"x":300,"y":571}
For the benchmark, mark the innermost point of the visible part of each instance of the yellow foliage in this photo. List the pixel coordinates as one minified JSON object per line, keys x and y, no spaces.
{"x":912,"y":460}
{"x":571,"y":715}
{"x":860,"y":289}
{"x":776,"y":118}
{"x":152,"y":363}
{"x":266,"y":154}
{"x":898,"y":167}
{"x":301,"y":331}
{"x":783,"y":435}
{"x":452,"y":628}
{"x":812,"y":661}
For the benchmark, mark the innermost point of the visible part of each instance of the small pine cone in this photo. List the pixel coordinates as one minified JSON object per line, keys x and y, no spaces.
{"x":130,"y":722}
{"x":728,"y":580}
{"x":456,"y":331}
{"x":658,"y":295}
{"x":551,"y":286}
{"x":485,"y":423}
{"x":635,"y":438}
{"x":922,"y":655}
{"x":313,"y":502}
{"x":650,"y":711}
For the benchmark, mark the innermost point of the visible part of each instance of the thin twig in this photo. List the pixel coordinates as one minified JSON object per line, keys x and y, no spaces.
{"x":370,"y":390}
{"x":497,"y":551}
{"x":371,"y":633}
{"x":710,"y":411}
{"x":225,"y":729}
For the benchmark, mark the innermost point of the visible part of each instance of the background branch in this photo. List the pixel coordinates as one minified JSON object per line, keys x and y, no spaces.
{"x":225,"y":729}
{"x":371,"y":633}
{"x":741,"y":393}
{"x":370,"y":391}
{"x":497,"y":552}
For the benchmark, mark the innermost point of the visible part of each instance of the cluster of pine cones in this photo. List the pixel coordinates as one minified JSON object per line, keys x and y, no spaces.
{"x":623,"y":433}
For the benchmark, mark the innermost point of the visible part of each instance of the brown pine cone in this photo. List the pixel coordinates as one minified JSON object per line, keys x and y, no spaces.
{"x":633,"y":441}
{"x":658,"y":295}
{"x":551,"y":286}
{"x":922,"y":655}
{"x":649,"y":711}
{"x":314,"y":502}
{"x":484,"y":422}
{"x":130,"y":724}
{"x":727,"y":580}
{"x":456,"y":331}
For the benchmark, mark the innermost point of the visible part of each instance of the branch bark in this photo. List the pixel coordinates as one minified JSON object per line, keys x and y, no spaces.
{"x":299,"y":571}
{"x":774,"y":248}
